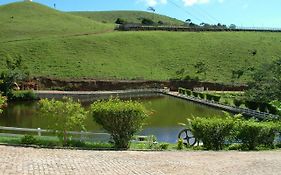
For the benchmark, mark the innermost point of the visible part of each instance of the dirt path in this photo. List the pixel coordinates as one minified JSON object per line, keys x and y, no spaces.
{"x":17,"y":160}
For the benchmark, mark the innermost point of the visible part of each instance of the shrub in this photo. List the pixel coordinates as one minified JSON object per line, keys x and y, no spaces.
{"x":75,"y":143}
{"x":180,"y":144}
{"x":195,"y":94}
{"x":251,"y":105}
{"x":63,"y":116}
{"x":2,"y":102}
{"x":22,"y":96}
{"x":188,"y":92}
{"x":181,"y":90}
{"x":263,"y":107}
{"x":212,"y":131}
{"x":28,"y":140}
{"x":122,"y":119}
{"x":209,"y":97}
{"x":216,"y":98}
{"x":120,"y":21}
{"x":146,"y":21}
{"x":253,"y":134}
{"x":201,"y":95}
{"x":164,"y":146}
{"x":272,"y":109}
{"x":237,"y":102}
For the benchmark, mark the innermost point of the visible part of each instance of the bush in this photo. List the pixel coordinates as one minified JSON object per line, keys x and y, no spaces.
{"x":209,"y":97}
{"x":201,"y":95}
{"x":212,"y":131}
{"x":164,"y":146}
{"x":263,"y":107}
{"x":28,"y":140}
{"x":75,"y":143}
{"x":146,"y":21}
{"x":181,"y":90}
{"x":180,"y":144}
{"x":2,"y":102}
{"x":63,"y":116}
{"x":272,"y":109}
{"x":216,"y":98}
{"x":253,"y":134}
{"x":188,"y":92}
{"x":122,"y":119}
{"x":195,"y":94}
{"x":237,"y":102}
{"x":120,"y":21}
{"x":22,"y":96}
{"x":251,"y":105}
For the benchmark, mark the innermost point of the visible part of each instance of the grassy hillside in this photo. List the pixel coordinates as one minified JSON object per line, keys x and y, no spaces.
{"x":25,"y":20}
{"x":129,"y":16}
{"x":146,"y":55}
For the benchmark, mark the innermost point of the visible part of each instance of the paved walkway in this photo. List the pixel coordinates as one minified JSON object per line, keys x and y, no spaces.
{"x":17,"y":160}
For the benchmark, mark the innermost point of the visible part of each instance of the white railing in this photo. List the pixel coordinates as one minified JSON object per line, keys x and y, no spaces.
{"x":82,"y":136}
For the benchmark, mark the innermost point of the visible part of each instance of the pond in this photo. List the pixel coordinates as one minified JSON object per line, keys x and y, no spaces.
{"x":167,"y":113}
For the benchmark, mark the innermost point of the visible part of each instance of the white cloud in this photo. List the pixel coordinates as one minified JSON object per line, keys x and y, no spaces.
{"x":153,"y":2}
{"x":193,"y":2}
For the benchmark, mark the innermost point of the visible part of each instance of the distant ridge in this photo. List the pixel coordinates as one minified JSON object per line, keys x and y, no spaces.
{"x":129,"y":16}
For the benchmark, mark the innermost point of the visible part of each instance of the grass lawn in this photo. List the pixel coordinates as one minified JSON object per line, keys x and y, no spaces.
{"x":62,"y":45}
{"x":128,"y":16}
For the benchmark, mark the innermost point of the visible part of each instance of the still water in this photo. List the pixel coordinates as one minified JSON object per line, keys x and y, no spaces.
{"x":167,"y":113}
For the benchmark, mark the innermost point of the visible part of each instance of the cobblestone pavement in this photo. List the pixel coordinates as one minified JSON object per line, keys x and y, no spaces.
{"x":18,"y":160}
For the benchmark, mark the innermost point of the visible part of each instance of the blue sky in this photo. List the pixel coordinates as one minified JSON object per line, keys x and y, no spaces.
{"x":246,"y":13}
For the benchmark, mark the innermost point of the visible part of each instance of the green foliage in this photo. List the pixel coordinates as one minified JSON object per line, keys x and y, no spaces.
{"x":29,"y":140}
{"x":120,"y":21}
{"x":253,"y":134}
{"x":63,"y":116}
{"x":15,"y":71}
{"x":22,"y":96}
{"x":188,"y":92}
{"x":202,"y":95}
{"x":276,"y":106}
{"x":266,"y":83}
{"x":252,"y":105}
{"x":216,"y":98}
{"x":122,"y":119}
{"x":209,"y":97}
{"x":164,"y":146}
{"x":2,"y":102}
{"x":237,"y":102}
{"x":213,"y":97}
{"x":213,"y":131}
{"x":195,"y":94}
{"x":180,"y":144}
{"x":147,"y":21}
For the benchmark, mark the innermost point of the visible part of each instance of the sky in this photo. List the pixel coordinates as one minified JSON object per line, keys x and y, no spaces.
{"x":244,"y":13}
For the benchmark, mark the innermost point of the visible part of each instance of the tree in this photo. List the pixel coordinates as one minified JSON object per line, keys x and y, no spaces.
{"x":146,"y":21}
{"x":122,"y":119}
{"x":63,"y":116}
{"x":120,"y":21}
{"x":266,"y":83}
{"x":15,"y":72}
{"x":201,"y":68}
{"x":232,"y":26}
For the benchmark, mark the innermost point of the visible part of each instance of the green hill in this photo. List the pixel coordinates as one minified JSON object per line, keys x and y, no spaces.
{"x":147,"y":55}
{"x":62,"y":45}
{"x":129,"y":16}
{"x":25,"y":20}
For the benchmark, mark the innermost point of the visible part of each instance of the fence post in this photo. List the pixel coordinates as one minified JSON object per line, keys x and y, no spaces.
{"x":39,"y":131}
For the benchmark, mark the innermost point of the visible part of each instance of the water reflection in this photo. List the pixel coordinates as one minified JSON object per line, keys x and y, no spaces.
{"x":167,"y":112}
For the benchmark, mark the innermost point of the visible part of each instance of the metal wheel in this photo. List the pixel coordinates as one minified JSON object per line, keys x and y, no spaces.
{"x":188,"y":138}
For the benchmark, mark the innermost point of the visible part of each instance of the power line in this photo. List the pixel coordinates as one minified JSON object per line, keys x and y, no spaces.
{"x":209,"y":15}
{"x":187,"y":12}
